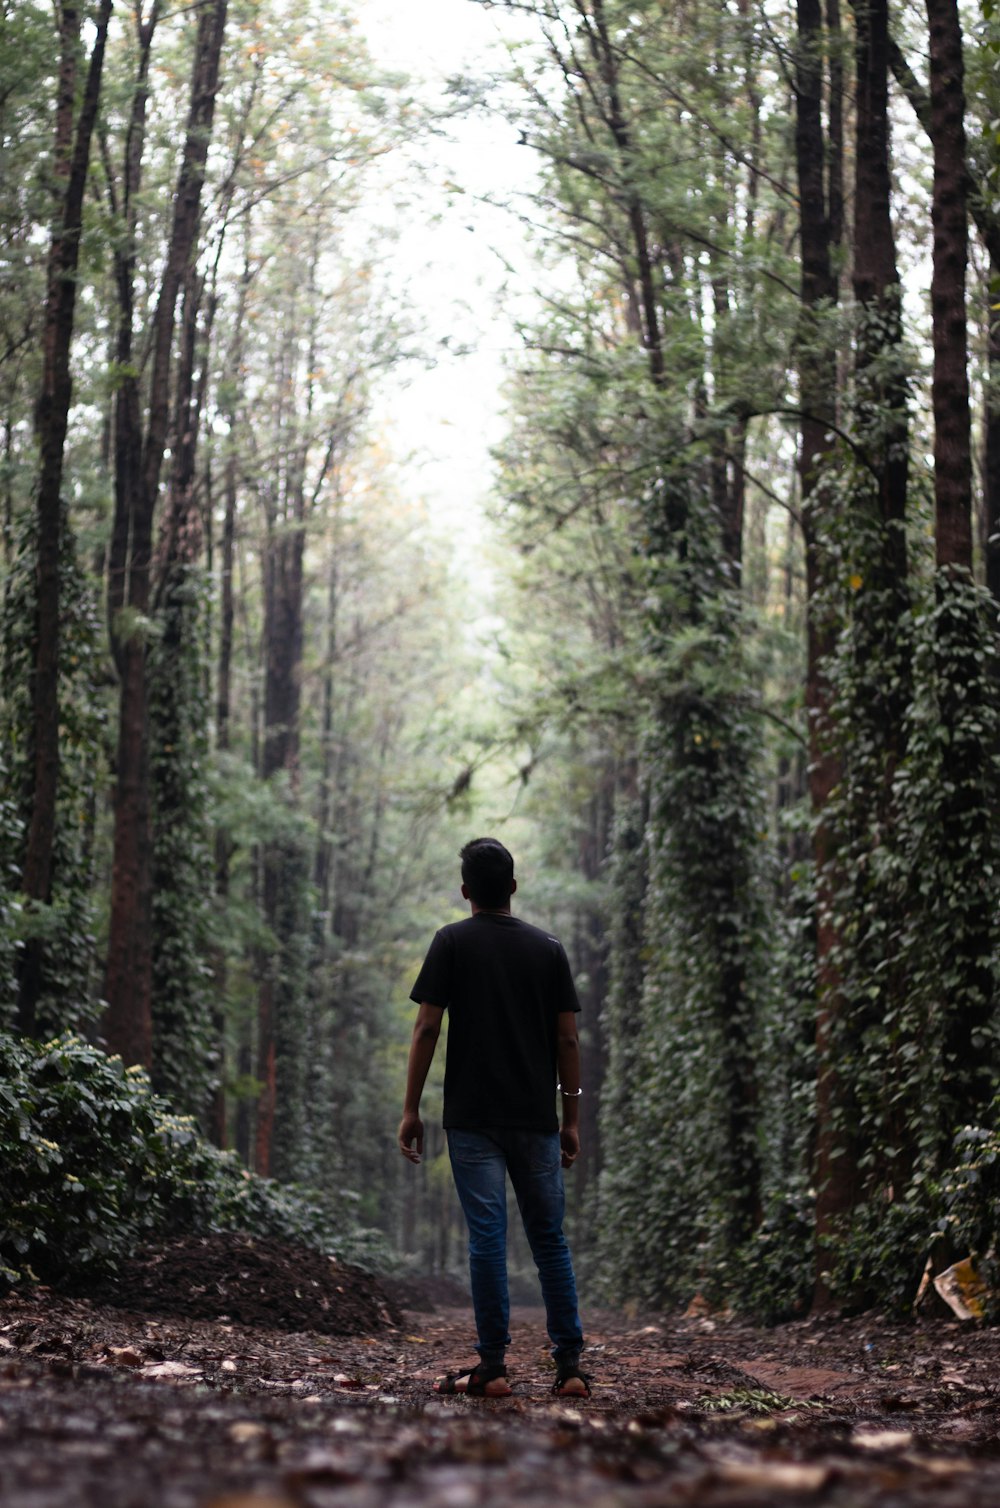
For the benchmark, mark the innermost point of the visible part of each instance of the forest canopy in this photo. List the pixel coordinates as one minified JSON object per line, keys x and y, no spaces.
{"x":723,"y":675}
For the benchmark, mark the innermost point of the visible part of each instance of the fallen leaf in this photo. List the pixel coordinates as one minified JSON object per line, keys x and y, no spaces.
{"x":245,"y":1431}
{"x":170,"y":1369}
{"x":774,"y":1476}
{"x":943,"y":1466}
{"x":882,"y":1439}
{"x":124,"y":1356}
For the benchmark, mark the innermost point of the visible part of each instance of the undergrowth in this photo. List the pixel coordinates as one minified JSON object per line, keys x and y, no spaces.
{"x":95,"y":1163}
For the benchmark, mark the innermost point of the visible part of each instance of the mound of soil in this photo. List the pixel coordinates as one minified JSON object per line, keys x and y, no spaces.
{"x":277,"y":1285}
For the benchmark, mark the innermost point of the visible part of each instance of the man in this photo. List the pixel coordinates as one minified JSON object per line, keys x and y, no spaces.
{"x":512,"y":1026}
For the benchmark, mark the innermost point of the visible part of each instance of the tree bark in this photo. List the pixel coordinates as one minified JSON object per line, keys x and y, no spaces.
{"x":818,"y":381}
{"x":128,"y":979}
{"x":991,"y":467}
{"x":949,"y":216}
{"x":876,"y":280}
{"x":72,"y":161}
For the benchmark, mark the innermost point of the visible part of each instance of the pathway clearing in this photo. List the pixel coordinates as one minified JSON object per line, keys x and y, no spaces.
{"x":100,"y":1408}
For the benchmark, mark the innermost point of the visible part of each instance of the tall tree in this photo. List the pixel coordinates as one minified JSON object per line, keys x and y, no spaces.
{"x":965,"y":645}
{"x":817,"y":368}
{"x":139,"y":453}
{"x":74,"y":130}
{"x":950,"y":387}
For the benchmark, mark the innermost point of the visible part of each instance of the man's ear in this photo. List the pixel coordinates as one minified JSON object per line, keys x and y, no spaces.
{"x":465,"y":892}
{"x":513,"y":886}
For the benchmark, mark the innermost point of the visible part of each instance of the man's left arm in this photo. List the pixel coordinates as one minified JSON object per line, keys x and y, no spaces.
{"x":568,"y":1059}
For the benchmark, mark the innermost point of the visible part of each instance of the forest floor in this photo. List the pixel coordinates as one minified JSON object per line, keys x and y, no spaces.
{"x":154,"y":1407}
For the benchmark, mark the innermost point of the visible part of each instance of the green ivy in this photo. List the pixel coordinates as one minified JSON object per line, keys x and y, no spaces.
{"x":683,"y":1187}
{"x":186,"y":1054}
{"x":915,"y":1039}
{"x":95,"y":1162}
{"x":66,"y":924}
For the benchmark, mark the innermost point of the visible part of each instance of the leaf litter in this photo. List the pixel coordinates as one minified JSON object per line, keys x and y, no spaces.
{"x":106,"y":1407}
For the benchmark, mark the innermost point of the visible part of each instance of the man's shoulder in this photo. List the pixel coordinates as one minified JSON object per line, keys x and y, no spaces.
{"x":451,"y":930}
{"x":473,"y":929}
{"x":539,"y":934}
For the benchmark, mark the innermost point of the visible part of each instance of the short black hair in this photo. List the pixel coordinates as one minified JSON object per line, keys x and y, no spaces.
{"x":487,"y":872}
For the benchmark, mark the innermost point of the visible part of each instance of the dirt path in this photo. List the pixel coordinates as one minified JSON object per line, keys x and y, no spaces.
{"x":100,"y":1407}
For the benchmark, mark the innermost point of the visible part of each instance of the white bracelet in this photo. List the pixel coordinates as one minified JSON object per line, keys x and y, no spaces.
{"x":571,"y":1094}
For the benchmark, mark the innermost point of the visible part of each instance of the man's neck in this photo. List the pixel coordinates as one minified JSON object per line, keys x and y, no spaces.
{"x":489,"y":910}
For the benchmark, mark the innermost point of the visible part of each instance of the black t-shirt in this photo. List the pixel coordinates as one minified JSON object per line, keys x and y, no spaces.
{"x":503,"y":984}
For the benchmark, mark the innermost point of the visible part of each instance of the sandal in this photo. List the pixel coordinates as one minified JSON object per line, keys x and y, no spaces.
{"x":476,"y":1381}
{"x":572,"y":1383}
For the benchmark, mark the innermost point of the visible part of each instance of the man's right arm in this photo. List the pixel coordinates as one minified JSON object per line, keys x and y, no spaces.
{"x":426,"y":1030}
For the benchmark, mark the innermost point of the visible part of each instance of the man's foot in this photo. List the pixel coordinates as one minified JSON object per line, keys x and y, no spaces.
{"x":479,"y":1382}
{"x":571,"y":1383}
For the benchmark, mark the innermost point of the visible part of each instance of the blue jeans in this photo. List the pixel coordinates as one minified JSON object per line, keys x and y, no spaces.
{"x":480,"y":1161}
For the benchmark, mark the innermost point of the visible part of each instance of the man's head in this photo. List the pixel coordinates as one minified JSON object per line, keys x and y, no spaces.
{"x":487,"y":874}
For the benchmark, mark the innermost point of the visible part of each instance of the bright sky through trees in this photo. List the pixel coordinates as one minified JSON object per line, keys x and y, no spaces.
{"x":453,"y":259}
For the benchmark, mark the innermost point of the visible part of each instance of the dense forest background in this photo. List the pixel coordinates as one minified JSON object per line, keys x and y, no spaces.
{"x":724,"y":674}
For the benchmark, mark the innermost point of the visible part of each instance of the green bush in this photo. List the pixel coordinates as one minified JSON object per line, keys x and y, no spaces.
{"x":770,"y":1279}
{"x":94,"y":1162}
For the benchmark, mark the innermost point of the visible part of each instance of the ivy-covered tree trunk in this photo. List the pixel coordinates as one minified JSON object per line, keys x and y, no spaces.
{"x":965,"y":645}
{"x":949,"y":216}
{"x":73,"y":137}
{"x":835,"y":1168}
{"x":881,"y":403}
{"x":991,"y":448}
{"x":128,"y":977}
{"x":185,"y":1053}
{"x":284,"y":872}
{"x":623,"y":1181}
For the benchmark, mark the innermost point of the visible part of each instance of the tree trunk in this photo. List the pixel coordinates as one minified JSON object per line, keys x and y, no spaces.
{"x":818,"y":380}
{"x":128,"y":980}
{"x":835,"y":117}
{"x":968,"y":1054}
{"x":991,"y":464}
{"x":72,"y":161}
{"x":282,"y":671}
{"x":950,"y":389}
{"x":882,"y":407}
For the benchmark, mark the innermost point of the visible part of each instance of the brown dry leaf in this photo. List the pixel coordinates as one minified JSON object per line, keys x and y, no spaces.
{"x":123,"y":1356}
{"x":247,"y":1431}
{"x":774,"y":1476}
{"x":882,"y":1439}
{"x":170,"y":1369}
{"x":943,"y":1466}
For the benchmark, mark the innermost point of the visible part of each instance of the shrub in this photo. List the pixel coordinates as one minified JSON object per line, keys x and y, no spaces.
{"x":94,"y":1163}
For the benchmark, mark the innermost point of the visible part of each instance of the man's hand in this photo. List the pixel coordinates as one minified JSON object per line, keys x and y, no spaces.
{"x":411,"y":1136}
{"x":569,"y":1140}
